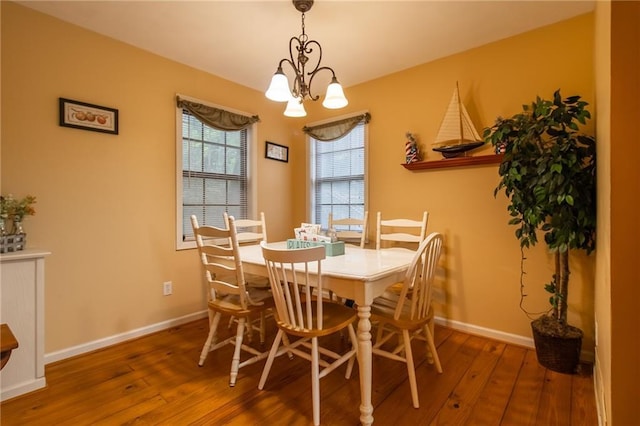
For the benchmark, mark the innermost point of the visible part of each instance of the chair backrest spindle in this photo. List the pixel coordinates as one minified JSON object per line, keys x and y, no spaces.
{"x":294,"y":274}
{"x":418,"y":281}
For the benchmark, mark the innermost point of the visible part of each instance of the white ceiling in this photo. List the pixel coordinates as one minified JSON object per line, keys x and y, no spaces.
{"x":243,"y":41}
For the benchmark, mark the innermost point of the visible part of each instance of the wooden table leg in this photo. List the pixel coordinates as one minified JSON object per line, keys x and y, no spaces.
{"x":364,"y":364}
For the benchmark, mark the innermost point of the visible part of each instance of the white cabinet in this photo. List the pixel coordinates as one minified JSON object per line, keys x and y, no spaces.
{"x":22,"y":308}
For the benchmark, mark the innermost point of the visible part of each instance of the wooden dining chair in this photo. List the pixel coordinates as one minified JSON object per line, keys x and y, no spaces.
{"x":249,"y":231}
{"x":399,"y":230}
{"x":228,"y":293}
{"x":409,"y":314}
{"x":306,"y":317}
{"x":349,"y":229}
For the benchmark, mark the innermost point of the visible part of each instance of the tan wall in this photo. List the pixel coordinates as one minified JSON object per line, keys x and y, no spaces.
{"x":624,"y":356}
{"x":482,"y":256}
{"x":106,"y":203}
{"x":117,"y":192}
{"x":602,"y":305}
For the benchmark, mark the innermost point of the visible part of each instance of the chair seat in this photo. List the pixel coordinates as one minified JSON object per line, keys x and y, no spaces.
{"x":335,"y":317}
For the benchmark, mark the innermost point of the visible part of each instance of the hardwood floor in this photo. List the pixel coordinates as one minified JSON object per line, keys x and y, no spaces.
{"x":155,"y":380}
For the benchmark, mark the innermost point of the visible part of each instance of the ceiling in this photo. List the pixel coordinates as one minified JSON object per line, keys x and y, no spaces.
{"x":361,"y":40}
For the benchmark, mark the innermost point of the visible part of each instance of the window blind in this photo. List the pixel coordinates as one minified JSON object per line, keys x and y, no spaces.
{"x":214,"y":173}
{"x":338,"y":176}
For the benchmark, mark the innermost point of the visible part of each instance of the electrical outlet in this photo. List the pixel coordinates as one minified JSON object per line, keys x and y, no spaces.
{"x":167,"y":288}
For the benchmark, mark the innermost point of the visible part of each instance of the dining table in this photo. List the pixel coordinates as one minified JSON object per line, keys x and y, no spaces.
{"x":360,"y":275}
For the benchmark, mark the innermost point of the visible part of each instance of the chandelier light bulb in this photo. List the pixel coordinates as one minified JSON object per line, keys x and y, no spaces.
{"x":279,"y":88}
{"x":295,"y":108}
{"x":334,"y":97}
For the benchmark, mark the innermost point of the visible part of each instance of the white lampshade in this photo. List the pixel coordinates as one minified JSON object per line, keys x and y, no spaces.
{"x":279,"y":88}
{"x":334,"y":98}
{"x":295,"y":108}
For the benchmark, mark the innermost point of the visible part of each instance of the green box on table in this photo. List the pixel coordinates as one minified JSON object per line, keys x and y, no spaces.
{"x":331,"y":249}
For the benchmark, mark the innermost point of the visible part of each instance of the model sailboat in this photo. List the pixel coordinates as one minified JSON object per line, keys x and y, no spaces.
{"x":457,"y":134}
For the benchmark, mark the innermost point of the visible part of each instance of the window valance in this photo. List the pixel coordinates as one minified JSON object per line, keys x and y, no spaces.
{"x":336,"y":129}
{"x":217,"y":118}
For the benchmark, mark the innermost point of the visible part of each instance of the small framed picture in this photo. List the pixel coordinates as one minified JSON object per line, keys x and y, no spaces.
{"x":81,"y":115}
{"x":276,"y":152}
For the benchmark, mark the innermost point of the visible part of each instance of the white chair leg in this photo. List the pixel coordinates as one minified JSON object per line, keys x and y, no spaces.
{"x":315,"y":381}
{"x":235,"y":362}
{"x":263,"y":326}
{"x":285,"y":341}
{"x":272,"y":355}
{"x":354,"y":343}
{"x":379,"y":332}
{"x":249,"y":329}
{"x":411,"y":368}
{"x":432,"y":349}
{"x":425,"y":330}
{"x":213,"y":326}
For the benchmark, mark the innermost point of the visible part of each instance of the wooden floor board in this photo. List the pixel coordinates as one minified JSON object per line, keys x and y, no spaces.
{"x":555,"y":401}
{"x":525,"y":399}
{"x":464,"y":396}
{"x":494,"y":398}
{"x":156,"y":380}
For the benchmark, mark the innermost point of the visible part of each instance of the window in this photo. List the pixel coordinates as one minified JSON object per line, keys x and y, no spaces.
{"x":213,"y":175}
{"x":338,"y":176}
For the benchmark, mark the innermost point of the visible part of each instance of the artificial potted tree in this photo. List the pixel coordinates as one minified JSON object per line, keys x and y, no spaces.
{"x":548,"y":175}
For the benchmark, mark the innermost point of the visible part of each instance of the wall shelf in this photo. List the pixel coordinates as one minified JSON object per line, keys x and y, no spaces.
{"x":455,"y":162}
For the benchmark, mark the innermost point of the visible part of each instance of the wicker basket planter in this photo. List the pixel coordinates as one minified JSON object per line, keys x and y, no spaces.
{"x":560,"y":353}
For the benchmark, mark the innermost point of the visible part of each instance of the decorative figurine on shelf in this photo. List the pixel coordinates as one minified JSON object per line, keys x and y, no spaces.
{"x":411,"y":149}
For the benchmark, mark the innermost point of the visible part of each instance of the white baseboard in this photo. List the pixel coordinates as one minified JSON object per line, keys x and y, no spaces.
{"x":486,"y":332}
{"x":118,"y":338}
{"x":22,"y":388}
{"x":586,"y":356}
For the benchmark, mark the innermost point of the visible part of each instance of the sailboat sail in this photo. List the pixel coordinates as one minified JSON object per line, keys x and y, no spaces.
{"x":457,"y":133}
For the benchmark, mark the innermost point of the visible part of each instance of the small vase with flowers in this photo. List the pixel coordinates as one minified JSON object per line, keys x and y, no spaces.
{"x":14,"y":210}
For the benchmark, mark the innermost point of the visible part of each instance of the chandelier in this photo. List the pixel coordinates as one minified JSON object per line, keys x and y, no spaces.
{"x":299,"y":48}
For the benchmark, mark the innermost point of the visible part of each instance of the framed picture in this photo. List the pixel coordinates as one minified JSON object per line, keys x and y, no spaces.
{"x":276,"y":152}
{"x":81,"y":115}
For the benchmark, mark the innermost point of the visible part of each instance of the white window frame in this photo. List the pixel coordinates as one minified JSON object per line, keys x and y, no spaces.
{"x":252,"y":167}
{"x":310,"y":192}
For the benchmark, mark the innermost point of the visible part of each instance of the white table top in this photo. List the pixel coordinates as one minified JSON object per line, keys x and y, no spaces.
{"x":356,"y":264}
